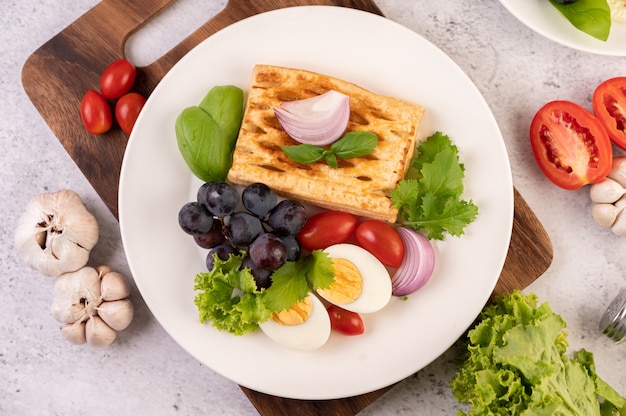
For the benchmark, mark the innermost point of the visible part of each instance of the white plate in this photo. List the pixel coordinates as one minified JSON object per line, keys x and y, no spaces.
{"x":386,"y":58}
{"x":545,"y":19}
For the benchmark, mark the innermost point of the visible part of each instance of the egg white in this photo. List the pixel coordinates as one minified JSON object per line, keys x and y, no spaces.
{"x":309,"y":335}
{"x":376,"y":291}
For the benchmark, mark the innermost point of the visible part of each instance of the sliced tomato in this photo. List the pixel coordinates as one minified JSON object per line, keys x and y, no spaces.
{"x":345,"y":322}
{"x":571,"y":146}
{"x":609,"y":105}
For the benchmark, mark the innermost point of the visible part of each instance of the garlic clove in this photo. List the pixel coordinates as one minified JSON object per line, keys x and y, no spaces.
{"x":98,"y":333}
{"x":75,"y":333}
{"x":76,"y":295}
{"x":618,"y":170}
{"x":118,"y":314}
{"x":606,"y":192}
{"x":55,"y":233}
{"x":114,"y":286}
{"x":605,"y":214}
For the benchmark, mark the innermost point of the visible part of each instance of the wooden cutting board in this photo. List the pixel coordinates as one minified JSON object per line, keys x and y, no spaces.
{"x":56,"y":76}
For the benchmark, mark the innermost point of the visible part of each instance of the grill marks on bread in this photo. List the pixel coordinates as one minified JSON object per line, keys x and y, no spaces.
{"x":361,"y":185}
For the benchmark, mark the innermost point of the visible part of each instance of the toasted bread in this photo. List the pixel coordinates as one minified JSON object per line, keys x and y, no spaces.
{"x":360,"y":186}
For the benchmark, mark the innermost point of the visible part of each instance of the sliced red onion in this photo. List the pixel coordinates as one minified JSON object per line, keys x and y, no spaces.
{"x":417,"y":265}
{"x":318,"y":120}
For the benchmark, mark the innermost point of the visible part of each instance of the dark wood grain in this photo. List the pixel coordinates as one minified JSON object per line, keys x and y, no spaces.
{"x":56,"y":76}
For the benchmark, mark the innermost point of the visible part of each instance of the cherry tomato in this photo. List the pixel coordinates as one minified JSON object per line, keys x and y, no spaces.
{"x":609,"y":105}
{"x":117,"y":79}
{"x":571,"y":146}
{"x":95,"y":113}
{"x":327,"y":228}
{"x":127,"y":110}
{"x":345,"y":322}
{"x":382,"y":240}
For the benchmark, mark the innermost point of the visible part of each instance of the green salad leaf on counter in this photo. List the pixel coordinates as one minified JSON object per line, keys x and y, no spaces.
{"x":228,"y":296}
{"x":429,"y":198}
{"x":516,"y":364}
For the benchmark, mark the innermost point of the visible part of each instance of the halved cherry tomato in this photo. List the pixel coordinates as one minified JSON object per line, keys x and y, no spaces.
{"x":117,"y":79}
{"x":127,"y":110}
{"x":382,"y":240}
{"x":609,"y":105}
{"x":327,"y":228}
{"x":95,"y":113}
{"x":345,"y":322}
{"x":571,"y":146}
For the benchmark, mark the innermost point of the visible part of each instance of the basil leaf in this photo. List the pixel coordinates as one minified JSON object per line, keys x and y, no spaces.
{"x":331,"y":159}
{"x":355,"y":144}
{"x":225,"y":105}
{"x":304,"y":153}
{"x":590,"y":16}
{"x":203,"y":145}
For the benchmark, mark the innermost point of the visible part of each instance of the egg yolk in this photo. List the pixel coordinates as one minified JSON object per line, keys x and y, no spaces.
{"x":295,"y":315}
{"x":348,"y":283}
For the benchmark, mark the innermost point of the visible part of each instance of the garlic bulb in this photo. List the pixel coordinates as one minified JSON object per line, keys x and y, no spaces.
{"x":609,"y":197}
{"x":56,"y":233}
{"x":93,"y":305}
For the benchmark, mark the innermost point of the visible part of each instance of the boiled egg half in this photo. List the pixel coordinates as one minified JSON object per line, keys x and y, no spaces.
{"x":362,"y":283}
{"x":305,"y":326}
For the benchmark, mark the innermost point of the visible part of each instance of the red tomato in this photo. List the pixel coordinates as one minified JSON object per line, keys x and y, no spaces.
{"x":327,"y":228}
{"x":571,"y":146}
{"x":117,"y":79}
{"x":382,"y":240}
{"x":345,"y":322}
{"x":95,"y":113}
{"x":609,"y":105}
{"x":127,"y":110}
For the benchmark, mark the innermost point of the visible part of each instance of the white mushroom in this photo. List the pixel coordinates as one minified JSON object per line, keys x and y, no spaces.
{"x":56,"y":233}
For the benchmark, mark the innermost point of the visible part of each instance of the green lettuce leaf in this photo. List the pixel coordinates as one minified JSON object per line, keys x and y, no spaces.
{"x":516,"y":363}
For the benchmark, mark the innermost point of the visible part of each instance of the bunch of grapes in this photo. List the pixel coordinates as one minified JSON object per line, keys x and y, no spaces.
{"x":265,"y":229}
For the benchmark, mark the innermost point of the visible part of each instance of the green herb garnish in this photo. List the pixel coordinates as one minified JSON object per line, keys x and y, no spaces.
{"x":429,"y":198}
{"x":590,"y":16}
{"x":350,"y":145}
{"x":228,"y":296}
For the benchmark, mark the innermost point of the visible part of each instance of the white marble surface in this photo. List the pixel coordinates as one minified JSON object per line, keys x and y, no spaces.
{"x":145,"y":371}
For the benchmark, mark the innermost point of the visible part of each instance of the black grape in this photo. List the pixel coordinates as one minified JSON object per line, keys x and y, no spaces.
{"x":220,"y":198}
{"x":258,"y":198}
{"x":269,"y":252}
{"x":211,"y":238}
{"x":243,"y":228}
{"x":194,"y":218}
{"x":261,"y":276}
{"x":223,"y":251}
{"x":293,"y":246}
{"x":288,"y":217}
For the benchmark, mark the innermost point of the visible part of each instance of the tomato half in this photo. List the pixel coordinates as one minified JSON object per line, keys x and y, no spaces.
{"x":609,"y":105}
{"x":327,"y":228}
{"x":382,"y":240}
{"x":95,"y":113}
{"x":345,"y":322}
{"x":571,"y":146}
{"x":117,"y":79}
{"x":127,"y":110}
